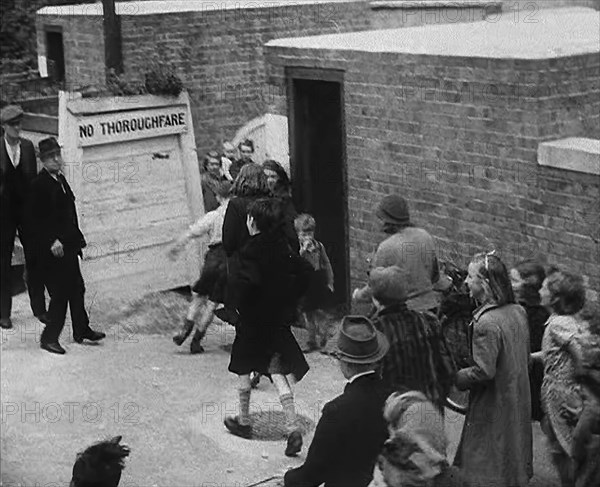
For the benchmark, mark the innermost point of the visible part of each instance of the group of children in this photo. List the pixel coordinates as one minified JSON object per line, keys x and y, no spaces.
{"x":274,"y":285}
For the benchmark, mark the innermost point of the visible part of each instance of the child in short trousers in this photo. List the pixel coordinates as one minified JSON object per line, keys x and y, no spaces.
{"x":269,"y":281}
{"x":320,"y":288}
{"x":209,"y":289}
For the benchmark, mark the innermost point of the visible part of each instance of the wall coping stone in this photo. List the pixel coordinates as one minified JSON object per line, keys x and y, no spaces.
{"x":574,"y":154}
{"x":429,"y":4}
{"x":557,"y":33}
{"x":153,"y":7}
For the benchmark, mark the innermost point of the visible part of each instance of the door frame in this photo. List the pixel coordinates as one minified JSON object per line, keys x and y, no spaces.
{"x":336,"y":76}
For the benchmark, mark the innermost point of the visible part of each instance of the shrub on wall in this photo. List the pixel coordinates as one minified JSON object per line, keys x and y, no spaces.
{"x":160,"y":79}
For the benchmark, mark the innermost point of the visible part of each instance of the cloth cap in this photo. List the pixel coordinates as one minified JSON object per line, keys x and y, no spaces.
{"x":359,"y":342}
{"x":393,"y":209}
{"x":11,"y":113}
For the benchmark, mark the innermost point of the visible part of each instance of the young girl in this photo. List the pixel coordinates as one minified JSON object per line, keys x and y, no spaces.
{"x":269,"y":280}
{"x":209,"y":289}
{"x":496,"y":441}
{"x":321,"y":282}
{"x":526,"y":280}
{"x":564,"y":397}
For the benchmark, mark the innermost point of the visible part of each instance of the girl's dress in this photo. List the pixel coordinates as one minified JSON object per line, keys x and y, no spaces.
{"x":213,"y":277}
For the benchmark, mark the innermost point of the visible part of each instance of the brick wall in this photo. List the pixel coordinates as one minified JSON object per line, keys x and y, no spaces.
{"x":459,"y":137}
{"x":219,"y":55}
{"x":83,"y":43}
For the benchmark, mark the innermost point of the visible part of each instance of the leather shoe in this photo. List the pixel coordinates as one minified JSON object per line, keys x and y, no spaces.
{"x":91,"y":335}
{"x":53,"y":347}
{"x":43,"y":318}
{"x":294,"y":444}
{"x":6,"y":323}
{"x":237,"y":429}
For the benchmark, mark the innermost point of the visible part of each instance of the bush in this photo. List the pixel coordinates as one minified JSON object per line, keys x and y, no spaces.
{"x":162,"y":80}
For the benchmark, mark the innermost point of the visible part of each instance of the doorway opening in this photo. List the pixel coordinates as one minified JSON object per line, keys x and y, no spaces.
{"x":318,"y":163}
{"x":55,"y":53}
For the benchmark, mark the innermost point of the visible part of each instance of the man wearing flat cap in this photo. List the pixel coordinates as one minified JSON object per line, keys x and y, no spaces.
{"x":59,"y":242}
{"x":18,"y":167}
{"x":413,"y":250}
{"x":352,"y":429}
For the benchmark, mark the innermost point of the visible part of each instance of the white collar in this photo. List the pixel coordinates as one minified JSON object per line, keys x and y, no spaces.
{"x":362,"y":374}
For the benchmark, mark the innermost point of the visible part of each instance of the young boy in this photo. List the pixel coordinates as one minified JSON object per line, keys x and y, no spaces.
{"x":209,"y":289}
{"x":269,"y":281}
{"x":321,"y":282}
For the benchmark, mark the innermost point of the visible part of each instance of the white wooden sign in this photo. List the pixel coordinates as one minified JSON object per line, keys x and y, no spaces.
{"x":133,"y":166}
{"x":131,"y":125}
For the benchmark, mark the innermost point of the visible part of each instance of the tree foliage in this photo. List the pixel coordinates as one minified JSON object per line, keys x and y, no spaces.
{"x":18,"y":43}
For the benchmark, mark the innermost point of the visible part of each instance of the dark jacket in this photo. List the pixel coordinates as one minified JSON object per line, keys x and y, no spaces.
{"x":15,"y":183}
{"x":270,"y":281}
{"x":53,"y":215}
{"x":235,"y":232}
{"x":348,"y":439}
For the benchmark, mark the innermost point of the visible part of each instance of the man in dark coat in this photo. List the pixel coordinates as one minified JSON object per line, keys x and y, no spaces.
{"x":352,"y":429}
{"x":18,"y":167}
{"x":59,"y":242}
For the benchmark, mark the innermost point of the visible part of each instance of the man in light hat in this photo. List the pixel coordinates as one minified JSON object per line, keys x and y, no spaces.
{"x":18,"y":167}
{"x":413,"y":250}
{"x":352,"y":429}
{"x":59,"y":243}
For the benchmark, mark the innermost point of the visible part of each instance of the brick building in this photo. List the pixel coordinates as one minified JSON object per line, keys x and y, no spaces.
{"x":451,"y":118}
{"x":454,"y":125}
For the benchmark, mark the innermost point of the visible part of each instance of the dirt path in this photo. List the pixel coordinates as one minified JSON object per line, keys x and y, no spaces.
{"x":167,"y":405}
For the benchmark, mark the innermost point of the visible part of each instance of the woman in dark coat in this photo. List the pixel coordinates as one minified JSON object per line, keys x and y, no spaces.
{"x":526,"y":279}
{"x":268,"y":283}
{"x":281,"y":188}
{"x":250,"y":185}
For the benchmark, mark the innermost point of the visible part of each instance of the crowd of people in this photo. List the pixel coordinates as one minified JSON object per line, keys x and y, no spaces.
{"x":534,"y":343}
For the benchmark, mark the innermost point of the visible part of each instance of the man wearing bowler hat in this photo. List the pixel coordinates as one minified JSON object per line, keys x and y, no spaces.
{"x":18,"y":167}
{"x":352,"y":429}
{"x":59,"y":243}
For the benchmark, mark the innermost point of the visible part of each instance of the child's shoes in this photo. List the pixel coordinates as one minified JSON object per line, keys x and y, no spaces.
{"x":237,"y":429}
{"x":294,"y":444}
{"x":186,"y":329}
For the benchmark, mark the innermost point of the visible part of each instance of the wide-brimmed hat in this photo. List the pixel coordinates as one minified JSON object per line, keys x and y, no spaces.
{"x":11,"y":113}
{"x":48,"y":147}
{"x":393,"y":209}
{"x":359,"y":342}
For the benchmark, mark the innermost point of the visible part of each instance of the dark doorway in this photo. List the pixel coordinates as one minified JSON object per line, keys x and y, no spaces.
{"x":55,"y":55}
{"x":318,"y":163}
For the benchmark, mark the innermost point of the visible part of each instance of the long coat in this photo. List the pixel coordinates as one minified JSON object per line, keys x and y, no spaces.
{"x":270,"y":280}
{"x":496,"y":442}
{"x":347,"y":440}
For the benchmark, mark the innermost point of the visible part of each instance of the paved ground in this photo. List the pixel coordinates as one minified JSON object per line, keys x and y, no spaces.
{"x":167,"y":405}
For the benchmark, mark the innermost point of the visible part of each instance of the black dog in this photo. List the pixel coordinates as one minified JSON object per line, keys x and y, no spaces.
{"x":100,"y":465}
